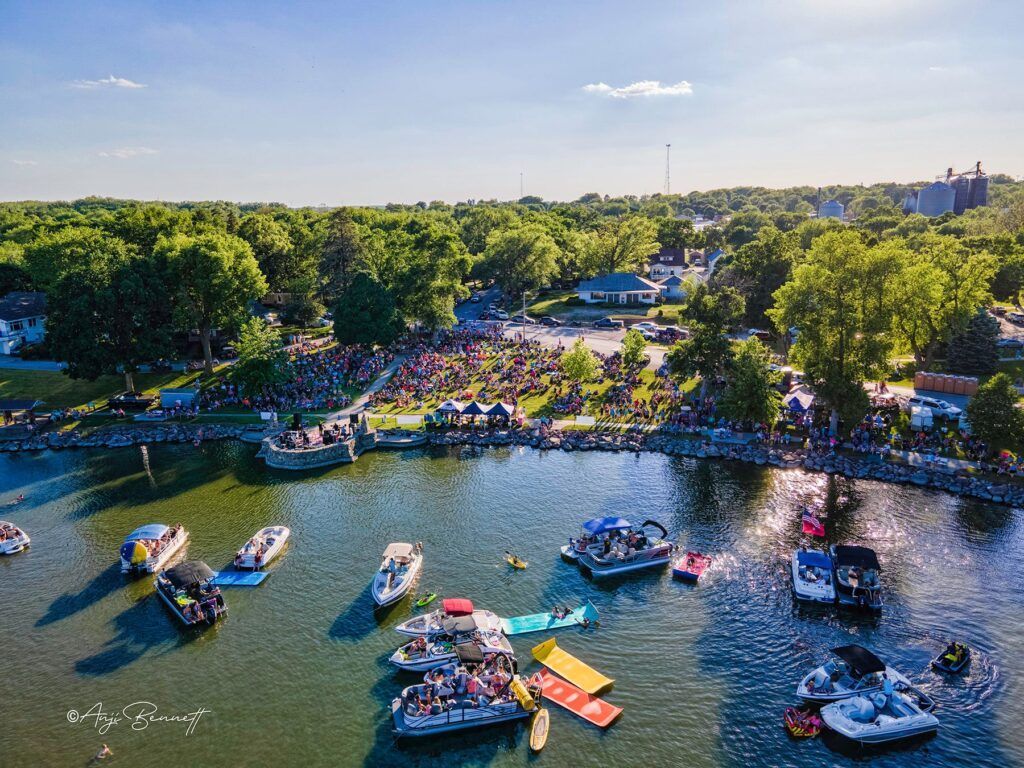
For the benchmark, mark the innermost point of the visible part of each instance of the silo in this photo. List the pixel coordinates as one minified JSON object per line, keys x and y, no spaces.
{"x":830,"y":209}
{"x":979,"y":192}
{"x":910,"y":203}
{"x":936,"y":199}
{"x":962,"y":189}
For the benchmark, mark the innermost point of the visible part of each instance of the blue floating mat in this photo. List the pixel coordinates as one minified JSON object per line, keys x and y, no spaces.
{"x":238,"y":578}
{"x":538,"y":622}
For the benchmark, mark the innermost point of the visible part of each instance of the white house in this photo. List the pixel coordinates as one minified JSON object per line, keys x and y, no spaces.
{"x":674,"y":288}
{"x":667,"y":261}
{"x":22,"y":320}
{"x":618,"y":288}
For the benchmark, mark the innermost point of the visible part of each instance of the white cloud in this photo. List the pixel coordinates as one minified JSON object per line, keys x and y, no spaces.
{"x":123,"y":153}
{"x":106,"y":82}
{"x":640,"y":88}
{"x":24,"y":162}
{"x":936,"y":69}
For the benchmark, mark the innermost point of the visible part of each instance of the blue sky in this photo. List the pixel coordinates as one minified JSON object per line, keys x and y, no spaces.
{"x":364,"y":103}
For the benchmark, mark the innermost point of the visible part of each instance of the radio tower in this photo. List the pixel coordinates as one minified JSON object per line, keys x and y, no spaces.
{"x":668,"y":182}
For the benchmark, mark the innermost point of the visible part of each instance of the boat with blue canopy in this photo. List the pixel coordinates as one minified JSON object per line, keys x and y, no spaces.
{"x":593,"y":533}
{"x":813,"y":577}
{"x":149,"y":547}
{"x":630,"y":549}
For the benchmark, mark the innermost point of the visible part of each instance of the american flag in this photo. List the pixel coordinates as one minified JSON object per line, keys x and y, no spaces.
{"x":811,"y":524}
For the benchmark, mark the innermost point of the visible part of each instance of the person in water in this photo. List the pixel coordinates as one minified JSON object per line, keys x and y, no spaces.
{"x":103,"y":754}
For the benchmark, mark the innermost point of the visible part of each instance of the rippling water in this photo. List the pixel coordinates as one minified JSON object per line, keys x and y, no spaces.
{"x":297,"y":673}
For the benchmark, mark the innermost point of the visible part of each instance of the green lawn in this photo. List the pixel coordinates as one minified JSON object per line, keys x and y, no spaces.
{"x":58,"y":390}
{"x":553,"y":304}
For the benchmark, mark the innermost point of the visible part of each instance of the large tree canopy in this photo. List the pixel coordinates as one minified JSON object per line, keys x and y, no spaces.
{"x":366,"y":313}
{"x":520,"y":259}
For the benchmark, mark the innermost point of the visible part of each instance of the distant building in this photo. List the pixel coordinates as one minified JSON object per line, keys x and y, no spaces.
{"x":711,"y":259}
{"x":618,"y":288}
{"x":910,"y":203}
{"x":674,"y":288}
{"x":831,"y":209}
{"x":668,"y":261}
{"x":936,"y":199}
{"x":22,"y":320}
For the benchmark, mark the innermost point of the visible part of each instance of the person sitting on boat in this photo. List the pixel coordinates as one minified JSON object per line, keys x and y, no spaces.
{"x":954,"y":653}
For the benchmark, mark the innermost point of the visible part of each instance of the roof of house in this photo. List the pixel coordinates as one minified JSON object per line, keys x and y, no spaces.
{"x":672,"y":257}
{"x":712,"y":255}
{"x":17,"y":305}
{"x":619,"y":282}
{"x":671,"y":281}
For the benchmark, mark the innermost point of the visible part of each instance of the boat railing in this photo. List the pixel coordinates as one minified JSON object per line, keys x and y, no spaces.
{"x":432,"y":722}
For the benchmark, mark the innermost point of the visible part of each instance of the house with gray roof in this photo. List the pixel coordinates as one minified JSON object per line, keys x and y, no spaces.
{"x":618,"y":288}
{"x":22,"y":320}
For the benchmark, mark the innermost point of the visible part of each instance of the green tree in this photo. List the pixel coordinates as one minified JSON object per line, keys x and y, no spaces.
{"x":214,"y":278}
{"x":109,"y":315}
{"x":53,"y":255}
{"x":261,"y":357}
{"x":272,"y":247}
{"x":759,"y":268}
{"x":621,"y":246}
{"x":304,"y":307}
{"x":840,"y":302}
{"x":480,"y":221}
{"x":430,"y":280}
{"x":14,"y":278}
{"x":711,"y":314}
{"x":993,"y":413}
{"x":634,"y":349}
{"x":974,"y":351}
{"x":342,"y":250}
{"x":579,"y":363}
{"x":520,"y":259}
{"x":366,"y":314}
{"x":750,"y":393}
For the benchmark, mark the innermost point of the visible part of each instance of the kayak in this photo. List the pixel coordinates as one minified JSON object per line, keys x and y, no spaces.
{"x":426,"y":599}
{"x":515,"y":562}
{"x":539,"y":732}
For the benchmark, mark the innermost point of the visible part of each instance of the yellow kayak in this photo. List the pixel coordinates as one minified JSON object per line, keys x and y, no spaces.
{"x":539,"y":732}
{"x":515,"y":562}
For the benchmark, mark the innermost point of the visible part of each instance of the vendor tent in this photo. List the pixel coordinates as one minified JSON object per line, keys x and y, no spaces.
{"x":474,"y":409}
{"x":451,"y":406}
{"x":799,"y":400}
{"x":501,"y":409}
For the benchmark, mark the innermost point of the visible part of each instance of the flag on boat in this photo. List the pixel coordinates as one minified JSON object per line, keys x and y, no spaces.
{"x":811,"y":524}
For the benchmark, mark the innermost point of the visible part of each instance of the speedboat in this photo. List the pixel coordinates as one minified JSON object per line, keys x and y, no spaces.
{"x":433,"y":623}
{"x":425,"y":653}
{"x":594,"y":531}
{"x":398,"y":569}
{"x":263,"y":547}
{"x":855,"y":671}
{"x":812,"y":576}
{"x":188,"y":590}
{"x":856,"y":576}
{"x":149,"y":548}
{"x":12,"y":538}
{"x":691,"y":566}
{"x":628,"y":550}
{"x":460,"y":700}
{"x":881,"y":718}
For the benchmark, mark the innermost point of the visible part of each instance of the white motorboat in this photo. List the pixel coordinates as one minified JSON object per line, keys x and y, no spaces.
{"x":628,"y":550}
{"x":881,"y":718}
{"x":263,"y":547}
{"x":592,"y":534}
{"x":149,"y":548}
{"x":12,"y":538}
{"x":856,"y":576}
{"x":398,"y":569}
{"x":812,"y":576}
{"x":855,"y":671}
{"x":457,"y":699}
{"x":422,"y":654}
{"x":433,"y":623}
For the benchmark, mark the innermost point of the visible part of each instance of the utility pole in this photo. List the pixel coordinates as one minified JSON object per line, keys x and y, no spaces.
{"x":668,"y":180}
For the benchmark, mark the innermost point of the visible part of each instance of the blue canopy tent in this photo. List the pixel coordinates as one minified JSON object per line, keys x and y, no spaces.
{"x":474,"y":409}
{"x":605,"y":524}
{"x":814,"y":559}
{"x":151,"y":531}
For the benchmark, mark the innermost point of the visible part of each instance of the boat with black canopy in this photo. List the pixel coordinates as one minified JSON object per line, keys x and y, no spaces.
{"x":188,"y":590}
{"x":476,"y":692}
{"x":425,"y":653}
{"x":854,"y":671}
{"x":629,"y":550}
{"x":856,"y":576}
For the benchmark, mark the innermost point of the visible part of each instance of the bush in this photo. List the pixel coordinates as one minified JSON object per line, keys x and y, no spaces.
{"x":574,"y":301}
{"x":35,"y":352}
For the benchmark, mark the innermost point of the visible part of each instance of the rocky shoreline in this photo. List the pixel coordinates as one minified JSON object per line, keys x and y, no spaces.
{"x":868,"y":468}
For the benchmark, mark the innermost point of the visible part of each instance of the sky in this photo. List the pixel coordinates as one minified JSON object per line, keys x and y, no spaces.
{"x":309,"y":103}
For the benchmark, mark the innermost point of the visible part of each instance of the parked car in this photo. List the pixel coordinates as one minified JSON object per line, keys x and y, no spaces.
{"x":997,"y":310}
{"x":475,"y":298}
{"x":1015,"y":317}
{"x":228,"y":352}
{"x":607,"y":322}
{"x":672,"y":333}
{"x":160,"y":366}
{"x":550,"y":322}
{"x":1010,"y":343}
{"x":937,"y":407}
{"x":757,"y":333}
{"x":500,"y":314}
{"x":131,"y":401}
{"x":646,"y":325}
{"x":523,"y":319}
{"x":648,"y":334}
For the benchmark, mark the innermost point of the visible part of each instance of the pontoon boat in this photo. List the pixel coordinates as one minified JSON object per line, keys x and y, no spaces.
{"x":398,"y":569}
{"x":855,"y":671}
{"x":856,"y":577}
{"x":431,"y":624}
{"x":149,"y":548}
{"x":263,"y":547}
{"x":188,"y":590}
{"x":12,"y":538}
{"x":594,"y":531}
{"x":881,"y":718}
{"x":812,"y":576}
{"x":628,"y":550}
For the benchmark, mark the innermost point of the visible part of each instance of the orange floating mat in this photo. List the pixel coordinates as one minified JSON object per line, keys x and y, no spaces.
{"x":568,"y":666}
{"x":590,"y":708}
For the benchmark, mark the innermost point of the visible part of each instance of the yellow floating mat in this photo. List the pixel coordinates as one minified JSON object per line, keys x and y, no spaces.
{"x":572,"y":669}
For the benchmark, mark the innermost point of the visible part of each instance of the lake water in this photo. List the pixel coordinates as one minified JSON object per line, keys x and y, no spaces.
{"x":297,"y":673}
